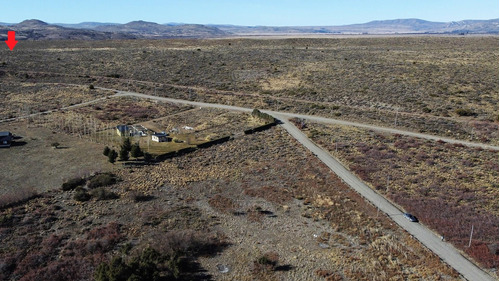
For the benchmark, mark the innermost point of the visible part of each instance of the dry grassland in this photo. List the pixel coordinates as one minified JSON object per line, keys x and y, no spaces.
{"x":448,"y":187}
{"x":258,"y":196}
{"x":441,"y":85}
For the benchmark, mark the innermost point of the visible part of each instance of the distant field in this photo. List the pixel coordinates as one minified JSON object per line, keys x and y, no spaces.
{"x":441,"y":85}
{"x":35,"y":166}
{"x":23,"y":98}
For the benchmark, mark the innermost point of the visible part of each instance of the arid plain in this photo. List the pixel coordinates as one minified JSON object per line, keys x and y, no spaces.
{"x":237,"y":202}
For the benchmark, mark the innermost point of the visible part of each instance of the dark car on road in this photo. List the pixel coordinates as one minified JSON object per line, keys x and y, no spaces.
{"x":410,"y":217}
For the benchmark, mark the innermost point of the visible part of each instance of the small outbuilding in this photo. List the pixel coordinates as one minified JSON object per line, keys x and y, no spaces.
{"x":161,"y":137}
{"x":5,"y":139}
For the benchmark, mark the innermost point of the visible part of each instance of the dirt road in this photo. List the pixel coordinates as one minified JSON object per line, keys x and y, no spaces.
{"x":286,"y":115}
{"x":382,"y":129}
{"x":444,"y":250}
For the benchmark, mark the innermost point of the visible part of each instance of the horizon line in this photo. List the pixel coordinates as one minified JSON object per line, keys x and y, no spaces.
{"x":230,"y":24}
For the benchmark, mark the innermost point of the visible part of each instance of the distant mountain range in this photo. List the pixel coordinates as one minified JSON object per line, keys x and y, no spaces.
{"x":398,"y":26}
{"x":39,"y":30}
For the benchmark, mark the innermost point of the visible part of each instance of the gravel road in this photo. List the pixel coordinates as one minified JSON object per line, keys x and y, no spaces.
{"x":443,"y":249}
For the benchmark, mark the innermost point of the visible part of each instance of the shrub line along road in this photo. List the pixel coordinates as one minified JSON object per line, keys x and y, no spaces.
{"x":286,"y":115}
{"x":444,"y":250}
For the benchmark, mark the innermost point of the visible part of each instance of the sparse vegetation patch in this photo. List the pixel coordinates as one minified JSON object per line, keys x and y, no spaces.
{"x":449,"y":187}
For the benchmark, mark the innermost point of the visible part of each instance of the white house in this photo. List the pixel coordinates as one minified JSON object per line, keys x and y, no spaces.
{"x":160,"y":137}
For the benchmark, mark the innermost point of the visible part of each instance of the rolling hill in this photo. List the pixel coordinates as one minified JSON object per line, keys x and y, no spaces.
{"x":154,"y":30}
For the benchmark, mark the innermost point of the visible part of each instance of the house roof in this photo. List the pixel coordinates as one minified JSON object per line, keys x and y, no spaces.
{"x":160,"y":134}
{"x":122,"y":128}
{"x":5,"y":134}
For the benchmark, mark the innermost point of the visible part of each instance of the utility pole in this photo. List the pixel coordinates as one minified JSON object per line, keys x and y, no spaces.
{"x":95,"y":130}
{"x":396,"y":118}
{"x":470,"y":239}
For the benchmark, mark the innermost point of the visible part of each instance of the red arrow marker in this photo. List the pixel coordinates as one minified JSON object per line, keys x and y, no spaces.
{"x":11,"y":39}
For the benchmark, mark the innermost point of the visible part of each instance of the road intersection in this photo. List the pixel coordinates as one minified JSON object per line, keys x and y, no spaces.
{"x":444,"y":250}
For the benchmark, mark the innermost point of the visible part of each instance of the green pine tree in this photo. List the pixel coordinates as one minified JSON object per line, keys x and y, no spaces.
{"x":127,"y":145}
{"x":124,"y":154}
{"x":106,"y":151}
{"x":136,"y":151}
{"x":112,"y":155}
{"x":148,"y":157}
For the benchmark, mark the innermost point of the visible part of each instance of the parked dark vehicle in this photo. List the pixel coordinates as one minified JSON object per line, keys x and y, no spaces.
{"x":410,"y":217}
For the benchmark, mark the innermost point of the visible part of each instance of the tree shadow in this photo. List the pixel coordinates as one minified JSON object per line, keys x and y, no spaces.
{"x":18,"y":143}
{"x":138,"y":163}
{"x":268,"y":213}
{"x":194,"y":271}
{"x":286,"y":267}
{"x":211,"y":248}
{"x":143,"y":198}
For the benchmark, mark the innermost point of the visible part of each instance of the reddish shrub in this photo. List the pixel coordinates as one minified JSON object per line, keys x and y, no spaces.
{"x":481,"y":252}
{"x":270,"y":193}
{"x":51,"y":242}
{"x":328,"y":275}
{"x":98,"y":240}
{"x":266,"y":263}
{"x":68,"y":268}
{"x":32,"y":260}
{"x":111,"y":232}
{"x":223,"y":204}
{"x":17,"y":195}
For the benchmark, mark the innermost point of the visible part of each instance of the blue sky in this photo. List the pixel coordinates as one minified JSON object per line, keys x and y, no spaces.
{"x":250,"y":12}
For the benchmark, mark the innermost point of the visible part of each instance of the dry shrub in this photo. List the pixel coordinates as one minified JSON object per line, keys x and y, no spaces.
{"x":255,"y":214}
{"x":102,"y":194}
{"x":98,"y":241}
{"x":17,"y":195}
{"x":272,"y":194}
{"x":223,"y":204}
{"x":328,"y":275}
{"x":100,"y":180}
{"x":69,"y":268}
{"x":264,"y":267}
{"x":139,"y":196}
{"x":73,"y":183}
{"x":488,"y":256}
{"x":299,"y":123}
{"x":188,"y":242}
